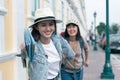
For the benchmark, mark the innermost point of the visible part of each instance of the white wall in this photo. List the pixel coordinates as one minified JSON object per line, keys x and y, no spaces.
{"x":18,"y":26}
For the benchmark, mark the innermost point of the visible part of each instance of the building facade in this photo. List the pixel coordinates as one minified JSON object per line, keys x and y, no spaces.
{"x":15,"y":15}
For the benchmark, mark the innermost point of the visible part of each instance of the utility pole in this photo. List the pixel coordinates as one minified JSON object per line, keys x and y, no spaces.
{"x":95,"y":47}
{"x":107,"y":71}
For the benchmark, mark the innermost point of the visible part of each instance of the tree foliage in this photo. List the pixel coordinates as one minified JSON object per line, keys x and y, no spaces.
{"x":101,"y":28}
{"x":114,"y":28}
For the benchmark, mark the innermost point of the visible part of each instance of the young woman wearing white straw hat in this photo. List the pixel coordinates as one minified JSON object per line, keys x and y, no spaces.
{"x":49,"y":47}
{"x":73,"y":69}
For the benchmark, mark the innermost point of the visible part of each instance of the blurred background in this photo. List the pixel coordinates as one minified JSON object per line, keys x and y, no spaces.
{"x":15,"y":15}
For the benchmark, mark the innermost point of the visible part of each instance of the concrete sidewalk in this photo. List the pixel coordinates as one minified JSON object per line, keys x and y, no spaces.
{"x":97,"y":61}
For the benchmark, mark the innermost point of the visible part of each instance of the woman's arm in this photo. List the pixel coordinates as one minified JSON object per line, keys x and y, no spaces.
{"x":86,"y":54}
{"x":67,"y":50}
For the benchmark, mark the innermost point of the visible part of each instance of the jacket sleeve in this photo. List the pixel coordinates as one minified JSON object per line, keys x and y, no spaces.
{"x":67,"y":50}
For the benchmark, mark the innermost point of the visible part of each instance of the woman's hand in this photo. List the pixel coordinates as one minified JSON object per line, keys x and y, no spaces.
{"x":86,"y":63}
{"x":22,"y":47}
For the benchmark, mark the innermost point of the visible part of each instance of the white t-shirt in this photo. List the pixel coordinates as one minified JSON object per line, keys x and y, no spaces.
{"x":53,"y":59}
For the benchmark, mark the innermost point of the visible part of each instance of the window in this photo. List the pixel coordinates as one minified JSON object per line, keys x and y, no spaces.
{"x":62,"y":11}
{"x":35,"y":5}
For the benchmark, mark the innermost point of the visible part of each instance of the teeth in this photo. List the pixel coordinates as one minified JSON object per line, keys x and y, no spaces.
{"x":72,"y":31}
{"x":47,"y":33}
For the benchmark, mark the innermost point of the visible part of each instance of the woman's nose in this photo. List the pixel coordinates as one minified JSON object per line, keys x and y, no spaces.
{"x":47,"y":27}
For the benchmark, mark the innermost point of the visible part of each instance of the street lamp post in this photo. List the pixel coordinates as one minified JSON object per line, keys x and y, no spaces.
{"x":107,"y":71}
{"x":91,"y":35}
{"x":95,"y":47}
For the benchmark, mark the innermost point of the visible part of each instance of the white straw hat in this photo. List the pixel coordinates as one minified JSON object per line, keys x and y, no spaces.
{"x":72,"y":21}
{"x":43,"y":14}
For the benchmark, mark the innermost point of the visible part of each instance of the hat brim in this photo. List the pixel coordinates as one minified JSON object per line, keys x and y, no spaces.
{"x":56,"y":20}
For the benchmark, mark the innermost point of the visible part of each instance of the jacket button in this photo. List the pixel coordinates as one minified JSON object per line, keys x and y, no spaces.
{"x":46,"y":56}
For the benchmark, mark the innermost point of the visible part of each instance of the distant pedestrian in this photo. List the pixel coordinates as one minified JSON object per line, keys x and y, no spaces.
{"x":88,"y":39}
{"x":74,"y":69}
{"x":49,"y":47}
{"x":91,"y":40}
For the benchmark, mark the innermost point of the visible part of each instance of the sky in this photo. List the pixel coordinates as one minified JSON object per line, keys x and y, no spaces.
{"x":99,"y":6}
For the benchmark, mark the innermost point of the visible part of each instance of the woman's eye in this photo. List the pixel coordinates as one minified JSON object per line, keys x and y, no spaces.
{"x":46,"y":24}
{"x":51,"y":24}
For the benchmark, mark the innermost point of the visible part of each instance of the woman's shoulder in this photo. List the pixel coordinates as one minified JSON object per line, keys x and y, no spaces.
{"x":58,"y":36}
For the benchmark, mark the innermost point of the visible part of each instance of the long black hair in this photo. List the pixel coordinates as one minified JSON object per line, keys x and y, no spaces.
{"x":78,"y":35}
{"x":35,"y":33}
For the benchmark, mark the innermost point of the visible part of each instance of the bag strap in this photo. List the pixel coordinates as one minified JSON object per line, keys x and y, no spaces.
{"x":81,"y":41}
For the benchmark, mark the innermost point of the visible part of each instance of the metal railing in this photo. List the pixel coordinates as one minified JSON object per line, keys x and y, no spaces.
{"x":8,"y":56}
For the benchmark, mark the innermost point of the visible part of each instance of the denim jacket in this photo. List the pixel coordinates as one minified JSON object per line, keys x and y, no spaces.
{"x":39,"y":69}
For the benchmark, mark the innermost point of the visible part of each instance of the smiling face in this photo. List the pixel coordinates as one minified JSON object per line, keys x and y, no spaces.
{"x":72,"y":30}
{"x":46,"y":29}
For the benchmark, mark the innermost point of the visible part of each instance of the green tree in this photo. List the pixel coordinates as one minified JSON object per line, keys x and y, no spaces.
{"x":114,"y":28}
{"x":101,"y":28}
